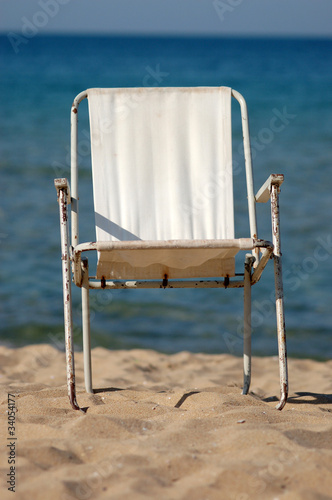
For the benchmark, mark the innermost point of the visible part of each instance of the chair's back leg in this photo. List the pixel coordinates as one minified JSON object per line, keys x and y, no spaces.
{"x":279,"y":297}
{"x":86,"y":327}
{"x":247,"y":324}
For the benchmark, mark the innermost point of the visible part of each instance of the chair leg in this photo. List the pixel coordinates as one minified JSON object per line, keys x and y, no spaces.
{"x":67,"y":301}
{"x":86,"y":326}
{"x":279,"y":298}
{"x":247,"y":324}
{"x":71,"y":386}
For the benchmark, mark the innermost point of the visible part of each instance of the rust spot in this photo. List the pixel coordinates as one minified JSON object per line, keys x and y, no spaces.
{"x":283,"y":398}
{"x":285,"y":390}
{"x":75,"y":110}
{"x":103,"y":282}
{"x":165,"y":281}
{"x":72,"y":398}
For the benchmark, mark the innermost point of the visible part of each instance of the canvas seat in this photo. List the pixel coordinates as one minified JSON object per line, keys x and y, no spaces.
{"x":164,"y":207}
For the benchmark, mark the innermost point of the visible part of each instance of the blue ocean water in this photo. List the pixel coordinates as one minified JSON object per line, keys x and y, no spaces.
{"x":288,"y":87}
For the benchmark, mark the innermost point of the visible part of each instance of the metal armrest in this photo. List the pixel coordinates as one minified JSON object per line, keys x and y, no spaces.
{"x":263,"y":194}
{"x":62,"y":187}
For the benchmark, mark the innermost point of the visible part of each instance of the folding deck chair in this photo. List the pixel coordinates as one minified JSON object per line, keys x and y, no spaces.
{"x":164,"y":209}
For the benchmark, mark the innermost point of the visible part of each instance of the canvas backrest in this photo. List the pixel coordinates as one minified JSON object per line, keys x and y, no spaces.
{"x":162,"y":163}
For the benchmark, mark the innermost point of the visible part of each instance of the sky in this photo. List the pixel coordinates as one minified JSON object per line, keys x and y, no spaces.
{"x":177,"y":17}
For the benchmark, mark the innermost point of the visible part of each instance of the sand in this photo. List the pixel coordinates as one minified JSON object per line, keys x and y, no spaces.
{"x":165,"y":427}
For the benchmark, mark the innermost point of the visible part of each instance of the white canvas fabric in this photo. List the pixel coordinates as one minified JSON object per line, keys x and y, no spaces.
{"x":162,"y":168}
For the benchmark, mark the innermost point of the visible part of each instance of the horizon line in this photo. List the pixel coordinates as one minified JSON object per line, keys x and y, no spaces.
{"x":140,"y":34}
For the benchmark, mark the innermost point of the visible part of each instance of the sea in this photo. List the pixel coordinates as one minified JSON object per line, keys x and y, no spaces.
{"x":287,"y":84}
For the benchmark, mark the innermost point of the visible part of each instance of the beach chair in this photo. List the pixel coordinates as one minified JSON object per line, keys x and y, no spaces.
{"x":164,"y":207}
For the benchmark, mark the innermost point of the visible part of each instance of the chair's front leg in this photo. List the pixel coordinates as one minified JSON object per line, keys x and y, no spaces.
{"x":67,"y":299}
{"x":279,"y":297}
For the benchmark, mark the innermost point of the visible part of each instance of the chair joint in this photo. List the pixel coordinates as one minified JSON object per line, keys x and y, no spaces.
{"x":249,"y":260}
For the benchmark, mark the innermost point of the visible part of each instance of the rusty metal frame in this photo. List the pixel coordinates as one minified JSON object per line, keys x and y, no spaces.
{"x":249,"y":261}
{"x":108,"y":246}
{"x":249,"y":170}
{"x":262,"y":252}
{"x":62,"y":188}
{"x":74,"y":167}
{"x":279,"y":295}
{"x":270,"y":190}
{"x":86,"y":326}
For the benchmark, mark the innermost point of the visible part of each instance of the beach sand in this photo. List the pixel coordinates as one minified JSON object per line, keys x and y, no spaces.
{"x":166,"y":427}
